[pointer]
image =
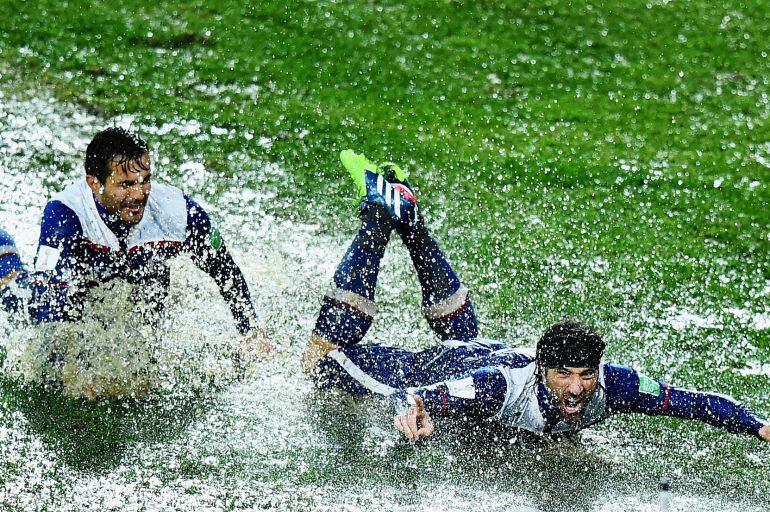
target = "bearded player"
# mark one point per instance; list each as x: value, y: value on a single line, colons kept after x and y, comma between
x: 563, y: 389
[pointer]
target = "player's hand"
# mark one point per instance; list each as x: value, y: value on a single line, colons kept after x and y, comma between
x: 256, y: 345
x: 764, y: 432
x: 415, y: 423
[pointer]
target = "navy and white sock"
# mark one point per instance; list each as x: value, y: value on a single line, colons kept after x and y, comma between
x: 445, y: 301
x: 348, y: 308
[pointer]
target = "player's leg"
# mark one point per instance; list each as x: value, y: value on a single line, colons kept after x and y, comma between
x: 364, y: 369
x: 445, y: 301
x: 348, y: 308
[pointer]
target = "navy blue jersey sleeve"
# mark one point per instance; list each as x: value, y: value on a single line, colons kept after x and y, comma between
x: 204, y: 244
x: 12, y: 273
x: 479, y: 394
x: 59, y: 230
x: 631, y: 392
x: 60, y: 225
x: 9, y: 256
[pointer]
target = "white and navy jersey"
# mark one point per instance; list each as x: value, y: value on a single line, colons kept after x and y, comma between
x: 487, y: 380
x: 81, y: 245
x: 526, y: 406
x: 11, y: 269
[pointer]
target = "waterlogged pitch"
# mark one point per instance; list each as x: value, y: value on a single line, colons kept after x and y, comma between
x: 605, y: 162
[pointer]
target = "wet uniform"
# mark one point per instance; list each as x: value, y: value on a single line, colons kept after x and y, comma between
x: 82, y: 246
x: 11, y: 296
x: 464, y: 375
x: 488, y: 380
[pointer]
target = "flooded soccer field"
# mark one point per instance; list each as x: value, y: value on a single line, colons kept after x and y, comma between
x: 269, y: 441
x: 606, y: 162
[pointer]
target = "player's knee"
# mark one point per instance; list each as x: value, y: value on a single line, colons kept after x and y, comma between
x: 342, y: 323
x: 317, y: 348
x: 460, y: 325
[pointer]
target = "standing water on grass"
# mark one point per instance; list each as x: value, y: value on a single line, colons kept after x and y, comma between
x: 207, y: 438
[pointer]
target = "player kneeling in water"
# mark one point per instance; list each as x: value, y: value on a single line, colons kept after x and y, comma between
x: 116, y: 223
x: 566, y: 387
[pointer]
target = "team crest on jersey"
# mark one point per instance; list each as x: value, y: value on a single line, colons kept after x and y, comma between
x: 649, y: 386
x: 215, y: 238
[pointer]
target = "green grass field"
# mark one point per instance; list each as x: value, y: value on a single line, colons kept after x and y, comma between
x: 608, y: 161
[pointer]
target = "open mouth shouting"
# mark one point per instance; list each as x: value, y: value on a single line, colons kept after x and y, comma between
x: 571, y: 388
x: 573, y: 405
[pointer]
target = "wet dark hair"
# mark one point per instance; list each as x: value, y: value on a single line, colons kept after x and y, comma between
x: 112, y: 144
x: 569, y: 343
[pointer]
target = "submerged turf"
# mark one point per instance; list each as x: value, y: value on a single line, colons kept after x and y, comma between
x: 608, y: 162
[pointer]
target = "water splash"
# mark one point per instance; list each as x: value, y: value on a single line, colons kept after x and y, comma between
x: 269, y: 441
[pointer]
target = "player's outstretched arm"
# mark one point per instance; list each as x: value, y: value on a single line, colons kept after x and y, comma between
x: 210, y: 254
x: 630, y: 391
x: 204, y: 243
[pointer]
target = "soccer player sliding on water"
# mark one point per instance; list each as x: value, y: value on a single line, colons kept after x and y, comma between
x: 565, y: 388
x: 116, y: 223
